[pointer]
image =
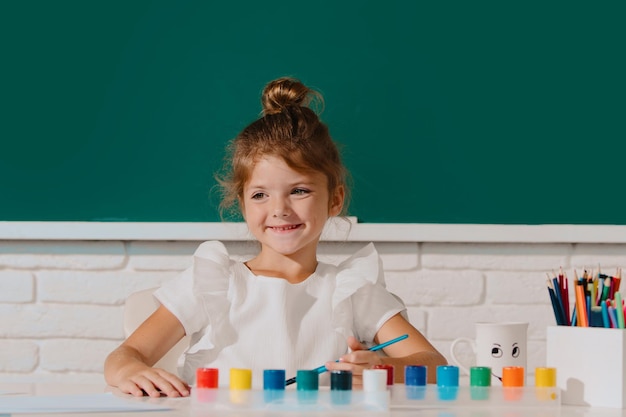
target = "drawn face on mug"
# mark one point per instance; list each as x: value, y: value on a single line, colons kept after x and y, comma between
x: 506, y: 354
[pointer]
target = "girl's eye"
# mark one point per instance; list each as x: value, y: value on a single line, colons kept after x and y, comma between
x: 257, y: 196
x: 300, y: 191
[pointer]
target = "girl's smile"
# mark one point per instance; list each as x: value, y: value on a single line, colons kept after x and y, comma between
x: 281, y: 229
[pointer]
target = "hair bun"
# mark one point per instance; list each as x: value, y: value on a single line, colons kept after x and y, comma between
x: 283, y: 93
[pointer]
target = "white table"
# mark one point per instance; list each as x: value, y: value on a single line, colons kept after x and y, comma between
x: 183, y: 407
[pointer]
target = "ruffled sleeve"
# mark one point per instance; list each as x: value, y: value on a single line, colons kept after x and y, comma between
x: 361, y: 303
x: 199, y: 297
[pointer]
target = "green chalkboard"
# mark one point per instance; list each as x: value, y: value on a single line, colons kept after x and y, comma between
x: 462, y: 112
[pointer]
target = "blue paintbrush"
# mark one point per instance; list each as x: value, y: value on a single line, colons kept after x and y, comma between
x: 323, y: 369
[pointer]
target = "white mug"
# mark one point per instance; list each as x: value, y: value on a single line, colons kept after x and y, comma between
x: 497, y: 345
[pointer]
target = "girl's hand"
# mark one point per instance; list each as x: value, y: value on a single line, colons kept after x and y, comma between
x: 356, y: 361
x: 153, y: 382
x: 129, y: 366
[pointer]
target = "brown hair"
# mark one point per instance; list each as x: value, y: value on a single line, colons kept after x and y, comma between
x: 288, y: 128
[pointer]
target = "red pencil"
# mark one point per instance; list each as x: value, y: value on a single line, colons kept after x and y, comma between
x: 565, y: 299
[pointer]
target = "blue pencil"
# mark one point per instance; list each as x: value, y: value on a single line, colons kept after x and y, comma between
x: 605, y: 316
x: 322, y: 369
x: 558, y: 290
x: 555, y: 307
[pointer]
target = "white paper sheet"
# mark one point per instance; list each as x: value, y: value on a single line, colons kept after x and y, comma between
x: 80, y: 403
x: 5, y: 392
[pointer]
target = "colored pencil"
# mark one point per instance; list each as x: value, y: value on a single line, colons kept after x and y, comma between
x: 566, y: 300
x: 612, y: 316
x: 558, y: 314
x: 581, y: 308
x: 605, y: 315
x: 619, y: 309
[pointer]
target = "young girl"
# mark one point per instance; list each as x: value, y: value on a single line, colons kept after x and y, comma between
x: 281, y: 309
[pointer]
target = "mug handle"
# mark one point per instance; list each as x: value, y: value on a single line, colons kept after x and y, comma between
x: 455, y: 359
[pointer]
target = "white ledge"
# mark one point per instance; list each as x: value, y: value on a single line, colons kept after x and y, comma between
x: 338, y: 230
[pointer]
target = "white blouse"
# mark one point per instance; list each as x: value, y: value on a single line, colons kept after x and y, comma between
x: 240, y: 320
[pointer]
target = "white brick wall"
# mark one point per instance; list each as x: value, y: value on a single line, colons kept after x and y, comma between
x: 61, y: 302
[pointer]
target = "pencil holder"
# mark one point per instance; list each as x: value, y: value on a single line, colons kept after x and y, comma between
x: 590, y: 364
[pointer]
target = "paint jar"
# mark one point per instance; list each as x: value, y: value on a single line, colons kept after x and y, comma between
x: 513, y: 382
x: 273, y: 385
x: 480, y: 382
x: 447, y: 382
x: 207, y: 382
x: 240, y: 385
x: 341, y: 387
x: 207, y: 378
x: 374, y: 380
x: 415, y: 377
x: 545, y: 381
x: 307, y: 386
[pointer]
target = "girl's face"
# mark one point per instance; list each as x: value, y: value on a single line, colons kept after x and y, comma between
x: 286, y: 210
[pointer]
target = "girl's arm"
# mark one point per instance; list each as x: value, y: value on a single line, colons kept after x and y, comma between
x: 129, y: 367
x: 415, y: 350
